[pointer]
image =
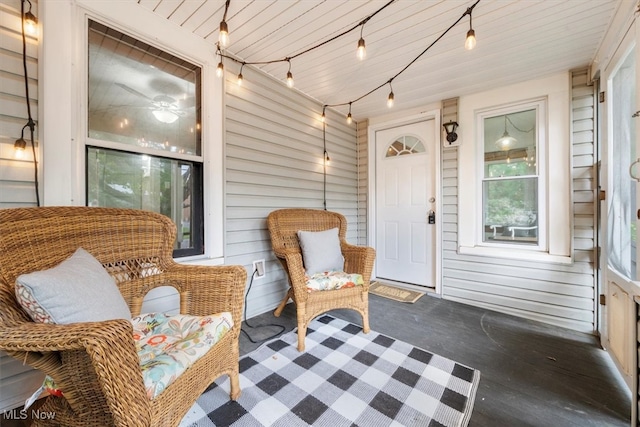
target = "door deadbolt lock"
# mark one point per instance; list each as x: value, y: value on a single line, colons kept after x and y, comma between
x: 431, y: 217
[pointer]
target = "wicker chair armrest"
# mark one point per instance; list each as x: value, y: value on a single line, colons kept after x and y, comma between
x: 283, y: 252
x: 47, y: 337
x: 207, y: 290
x: 59, y: 351
x: 296, y: 273
x: 359, y: 259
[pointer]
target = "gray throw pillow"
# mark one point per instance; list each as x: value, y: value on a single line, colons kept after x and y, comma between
x: 321, y: 251
x: 78, y: 289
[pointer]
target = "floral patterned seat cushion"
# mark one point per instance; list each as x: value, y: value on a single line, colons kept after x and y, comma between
x: 332, y: 280
x: 168, y: 344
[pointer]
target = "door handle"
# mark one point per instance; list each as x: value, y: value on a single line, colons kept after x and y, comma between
x: 431, y: 217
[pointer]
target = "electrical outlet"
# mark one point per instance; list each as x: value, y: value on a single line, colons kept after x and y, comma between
x: 258, y: 268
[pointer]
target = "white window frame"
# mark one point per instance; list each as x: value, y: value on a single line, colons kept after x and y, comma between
x: 113, y: 146
x: 63, y: 108
x: 559, y: 196
x: 540, y: 107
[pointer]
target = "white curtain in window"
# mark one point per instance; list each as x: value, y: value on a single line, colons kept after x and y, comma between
x: 621, y: 223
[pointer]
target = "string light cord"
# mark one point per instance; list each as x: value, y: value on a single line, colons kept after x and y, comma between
x: 30, y: 123
x: 324, y: 160
x: 226, y: 9
x: 246, y: 321
x: 388, y: 82
x: 516, y: 127
x: 289, y: 58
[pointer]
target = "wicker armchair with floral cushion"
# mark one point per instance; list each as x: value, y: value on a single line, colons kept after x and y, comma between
x: 325, y: 272
x: 110, y: 372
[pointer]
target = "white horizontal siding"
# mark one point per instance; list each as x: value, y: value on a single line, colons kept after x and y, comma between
x: 17, y: 177
x: 17, y: 381
x: 363, y: 181
x: 274, y: 159
x: 559, y: 294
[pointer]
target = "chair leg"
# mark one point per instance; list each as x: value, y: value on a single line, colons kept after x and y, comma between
x: 235, y: 386
x: 365, y: 313
x: 365, y: 323
x: 278, y: 311
x: 302, y: 333
x: 301, y: 316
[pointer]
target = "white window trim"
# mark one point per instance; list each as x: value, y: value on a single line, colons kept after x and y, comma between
x: 540, y: 106
x: 559, y: 201
x: 63, y: 105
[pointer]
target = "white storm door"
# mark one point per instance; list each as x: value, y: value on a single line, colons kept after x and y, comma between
x: 405, y: 194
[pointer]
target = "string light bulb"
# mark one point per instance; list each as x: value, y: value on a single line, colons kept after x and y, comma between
x: 220, y: 69
x: 326, y: 157
x: 470, y: 42
x: 19, y: 147
x: 390, y: 98
x: 362, y: 51
x: 289, y: 76
x: 31, y: 22
x: 240, y: 77
x: 349, y: 118
x: 323, y: 118
x: 223, y: 36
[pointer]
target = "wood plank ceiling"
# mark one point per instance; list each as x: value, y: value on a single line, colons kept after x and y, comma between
x: 518, y: 40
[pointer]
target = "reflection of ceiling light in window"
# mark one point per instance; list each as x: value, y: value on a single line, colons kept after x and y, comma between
x: 506, y: 141
x: 165, y: 116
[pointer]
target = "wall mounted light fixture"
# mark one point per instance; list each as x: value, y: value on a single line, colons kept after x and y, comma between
x: 450, y: 129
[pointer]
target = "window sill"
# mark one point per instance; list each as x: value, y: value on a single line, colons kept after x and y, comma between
x: 514, y: 253
x: 199, y: 260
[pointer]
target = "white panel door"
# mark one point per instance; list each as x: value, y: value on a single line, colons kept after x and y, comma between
x: 405, y: 194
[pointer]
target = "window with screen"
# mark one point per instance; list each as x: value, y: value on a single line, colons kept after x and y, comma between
x: 143, y: 148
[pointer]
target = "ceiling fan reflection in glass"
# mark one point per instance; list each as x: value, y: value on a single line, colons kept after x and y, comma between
x: 165, y: 116
x: 139, y: 95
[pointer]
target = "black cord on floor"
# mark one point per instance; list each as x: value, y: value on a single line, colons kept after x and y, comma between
x: 246, y: 321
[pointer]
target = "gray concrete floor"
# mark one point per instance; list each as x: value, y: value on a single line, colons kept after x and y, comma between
x: 532, y: 374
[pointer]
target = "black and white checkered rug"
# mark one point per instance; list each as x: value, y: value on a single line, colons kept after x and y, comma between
x: 344, y: 378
